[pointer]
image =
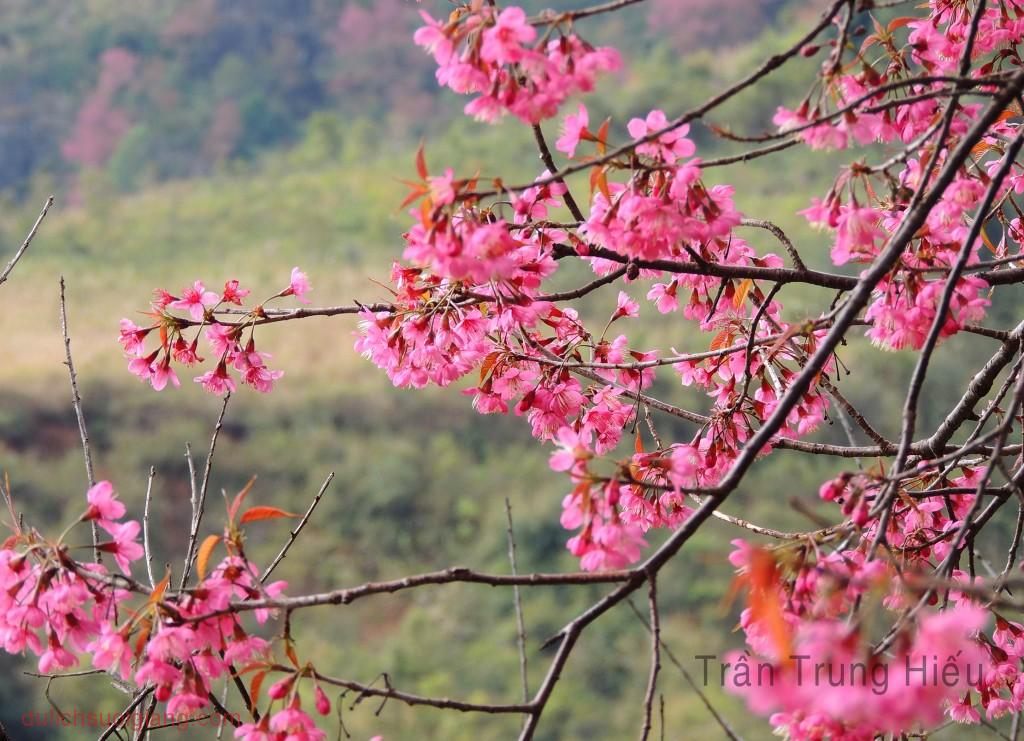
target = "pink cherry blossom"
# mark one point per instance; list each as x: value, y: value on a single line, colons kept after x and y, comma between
x: 55, y: 658
x: 222, y: 338
x: 573, y: 128
x: 185, y: 352
x: 503, y: 42
x: 573, y: 449
x: 664, y: 297
x: 442, y: 191
x: 626, y: 307
x: 110, y: 651
x: 195, y: 300
x: 298, y: 287
x: 487, y: 53
x: 143, y: 367
x: 217, y: 381
x: 132, y: 337
x: 163, y: 374
x: 667, y: 147
x: 123, y: 547
x: 233, y: 294
x: 257, y: 731
x: 857, y: 234
x: 294, y: 721
x: 964, y: 711
x: 103, y: 503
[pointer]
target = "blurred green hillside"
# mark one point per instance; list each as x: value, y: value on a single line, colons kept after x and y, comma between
x: 421, y: 479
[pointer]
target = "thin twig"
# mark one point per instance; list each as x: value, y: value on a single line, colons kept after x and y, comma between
x: 200, y: 502
x: 781, y: 236
x: 76, y: 402
x: 112, y: 728
x: 298, y: 529
x: 723, y: 724
x: 145, y: 527
x: 448, y: 576
x: 442, y: 703
x: 607, y: 7
x: 28, y: 240
x: 143, y: 728
x: 520, y: 622
x: 549, y: 162
x: 652, y: 679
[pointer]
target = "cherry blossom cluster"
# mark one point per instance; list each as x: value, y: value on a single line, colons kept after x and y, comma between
x: 830, y: 686
x: 176, y: 644
x: 231, y: 342
x: 496, y: 55
x: 896, y: 98
x: 801, y: 599
x: 471, y: 300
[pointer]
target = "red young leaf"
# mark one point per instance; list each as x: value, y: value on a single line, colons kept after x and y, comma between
x: 421, y: 163
x: 239, y: 498
x: 264, y: 513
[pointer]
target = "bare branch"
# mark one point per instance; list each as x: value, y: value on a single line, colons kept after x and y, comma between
x: 200, y: 503
x: 145, y: 527
x: 298, y: 529
x: 28, y: 240
x: 125, y: 714
x: 448, y: 576
x: 76, y: 402
x: 652, y: 679
x: 441, y: 703
x: 781, y: 236
x: 520, y: 623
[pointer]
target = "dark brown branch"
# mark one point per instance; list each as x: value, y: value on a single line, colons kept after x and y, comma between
x: 781, y: 236
x: 448, y: 576
x: 112, y: 728
x: 441, y: 703
x: 977, y: 389
x: 549, y: 163
x: 776, y: 275
x: 752, y: 154
x: 608, y: 7
x: 584, y: 290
